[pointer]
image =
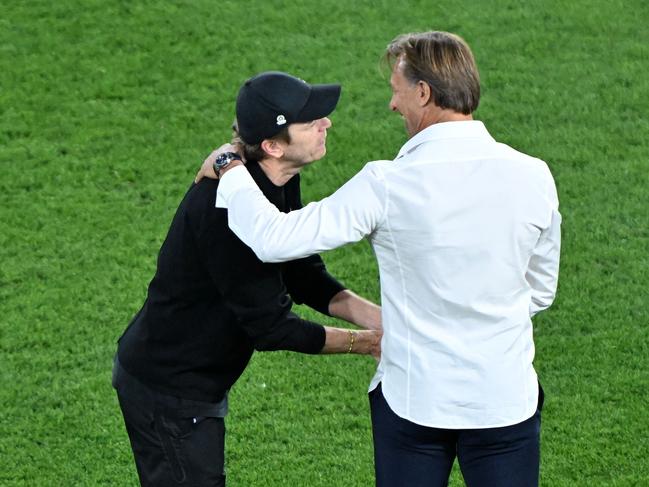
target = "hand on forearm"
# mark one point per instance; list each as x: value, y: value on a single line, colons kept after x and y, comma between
x: 350, y: 307
x: 340, y: 340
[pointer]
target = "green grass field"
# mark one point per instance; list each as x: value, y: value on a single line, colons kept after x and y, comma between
x: 107, y: 109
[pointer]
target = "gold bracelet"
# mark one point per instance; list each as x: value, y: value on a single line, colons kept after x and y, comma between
x: 352, y: 337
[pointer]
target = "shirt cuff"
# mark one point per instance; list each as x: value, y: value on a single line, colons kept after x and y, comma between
x: 233, y: 180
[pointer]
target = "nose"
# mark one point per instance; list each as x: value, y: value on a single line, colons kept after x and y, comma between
x: 392, y: 105
x: 325, y: 122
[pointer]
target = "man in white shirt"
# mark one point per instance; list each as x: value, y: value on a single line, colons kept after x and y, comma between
x: 467, y: 235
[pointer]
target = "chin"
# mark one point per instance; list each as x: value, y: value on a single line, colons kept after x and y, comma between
x: 319, y: 154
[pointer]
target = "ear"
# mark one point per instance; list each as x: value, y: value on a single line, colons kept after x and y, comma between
x: 424, y: 94
x: 274, y: 148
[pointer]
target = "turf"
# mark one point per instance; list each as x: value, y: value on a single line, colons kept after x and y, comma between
x: 107, y: 109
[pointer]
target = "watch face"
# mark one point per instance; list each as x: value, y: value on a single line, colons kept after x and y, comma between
x: 223, y: 160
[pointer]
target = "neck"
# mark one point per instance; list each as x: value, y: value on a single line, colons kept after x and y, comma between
x: 441, y: 115
x: 451, y: 116
x: 278, y: 171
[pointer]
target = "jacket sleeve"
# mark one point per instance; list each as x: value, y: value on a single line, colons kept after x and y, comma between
x: 309, y: 283
x: 253, y: 291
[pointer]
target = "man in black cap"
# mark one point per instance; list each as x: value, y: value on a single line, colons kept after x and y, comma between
x: 212, y: 303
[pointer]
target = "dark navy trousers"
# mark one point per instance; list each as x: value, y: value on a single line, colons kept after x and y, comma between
x: 410, y: 455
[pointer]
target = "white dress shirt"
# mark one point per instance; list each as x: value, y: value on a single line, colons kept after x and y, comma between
x: 467, y: 234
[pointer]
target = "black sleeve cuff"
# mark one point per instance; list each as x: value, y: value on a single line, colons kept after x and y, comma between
x: 294, y: 334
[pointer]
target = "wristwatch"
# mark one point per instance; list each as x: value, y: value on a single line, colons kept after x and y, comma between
x: 224, y: 160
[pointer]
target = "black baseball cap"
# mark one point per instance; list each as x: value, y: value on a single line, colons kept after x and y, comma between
x: 270, y: 101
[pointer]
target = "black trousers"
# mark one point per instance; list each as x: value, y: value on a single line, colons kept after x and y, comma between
x: 410, y: 455
x: 175, y: 442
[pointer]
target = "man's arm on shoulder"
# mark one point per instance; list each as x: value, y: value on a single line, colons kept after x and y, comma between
x: 348, y: 215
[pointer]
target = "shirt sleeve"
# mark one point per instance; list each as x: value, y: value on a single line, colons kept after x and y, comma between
x: 348, y: 215
x: 543, y: 269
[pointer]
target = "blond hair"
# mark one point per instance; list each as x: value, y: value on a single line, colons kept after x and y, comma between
x: 442, y: 60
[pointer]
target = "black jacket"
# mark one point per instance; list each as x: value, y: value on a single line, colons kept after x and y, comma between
x: 212, y: 302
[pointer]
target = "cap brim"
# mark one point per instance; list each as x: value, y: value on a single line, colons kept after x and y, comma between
x: 321, y: 102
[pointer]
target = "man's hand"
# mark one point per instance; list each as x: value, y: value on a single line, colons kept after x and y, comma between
x: 369, y: 341
x: 207, y: 169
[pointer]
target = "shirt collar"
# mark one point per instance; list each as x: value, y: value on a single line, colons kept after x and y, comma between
x: 445, y: 130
